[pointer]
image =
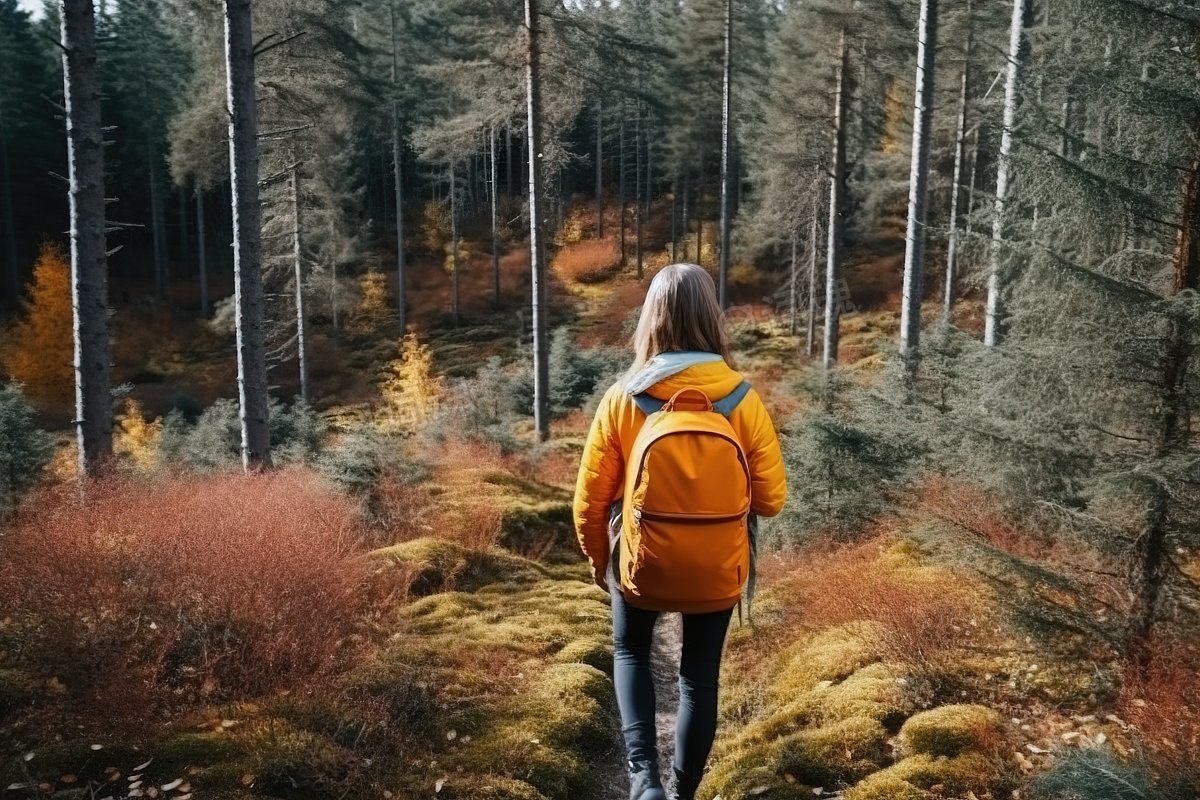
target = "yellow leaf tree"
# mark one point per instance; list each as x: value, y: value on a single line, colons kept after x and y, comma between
x: 41, y: 351
x: 136, y: 438
x: 373, y: 307
x: 410, y: 388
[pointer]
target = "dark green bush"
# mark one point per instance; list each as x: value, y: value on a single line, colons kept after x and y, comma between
x: 24, y: 448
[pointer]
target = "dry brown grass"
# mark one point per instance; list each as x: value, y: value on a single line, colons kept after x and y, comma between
x: 588, y: 260
x: 1162, y: 701
x: 223, y: 585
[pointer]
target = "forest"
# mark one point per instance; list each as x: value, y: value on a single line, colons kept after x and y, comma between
x: 306, y: 307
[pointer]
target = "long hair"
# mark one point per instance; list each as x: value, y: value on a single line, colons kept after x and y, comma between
x: 680, y: 313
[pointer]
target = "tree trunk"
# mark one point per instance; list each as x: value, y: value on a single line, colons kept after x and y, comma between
x: 810, y: 339
x: 699, y: 219
x: 960, y: 147
x: 185, y: 247
x: 398, y: 179
x: 918, y: 182
x: 12, y: 270
x: 247, y: 245
x: 495, y: 223
x: 637, y: 191
x: 621, y: 182
x: 674, y: 216
x: 333, y: 280
x: 201, y: 256
x: 454, y: 241
x: 89, y: 268
x: 726, y: 161
x: 997, y: 278
x: 298, y: 277
x: 837, y: 177
x: 541, y: 371
x: 794, y: 288
x: 685, y: 232
x: 599, y: 169
x: 646, y: 195
x: 508, y: 163
x: 156, y: 233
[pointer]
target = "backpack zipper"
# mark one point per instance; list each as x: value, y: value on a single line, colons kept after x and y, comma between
x: 680, y: 516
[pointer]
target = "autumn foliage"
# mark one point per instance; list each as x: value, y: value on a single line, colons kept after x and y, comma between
x: 222, y: 585
x: 1161, y: 699
x: 40, y: 351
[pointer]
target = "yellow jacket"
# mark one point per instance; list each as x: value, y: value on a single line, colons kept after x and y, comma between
x: 610, y: 442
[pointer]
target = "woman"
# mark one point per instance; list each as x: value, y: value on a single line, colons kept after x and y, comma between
x: 680, y: 344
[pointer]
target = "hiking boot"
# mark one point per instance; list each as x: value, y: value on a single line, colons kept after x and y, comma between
x: 644, y: 783
x: 685, y: 787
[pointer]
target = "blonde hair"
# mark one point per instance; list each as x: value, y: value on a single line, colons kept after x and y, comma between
x: 680, y: 313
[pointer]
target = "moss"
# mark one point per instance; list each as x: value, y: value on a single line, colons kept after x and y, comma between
x: 953, y: 730
x: 593, y: 651
x: 831, y: 655
x: 885, y: 786
x: 436, y: 565
x: 545, y: 530
x: 193, y: 749
x: 17, y: 689
x: 840, y: 752
x: 951, y: 776
x: 760, y: 783
x: 489, y: 788
x: 293, y: 763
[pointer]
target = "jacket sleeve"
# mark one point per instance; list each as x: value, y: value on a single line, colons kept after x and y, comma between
x: 600, y: 478
x: 768, y: 481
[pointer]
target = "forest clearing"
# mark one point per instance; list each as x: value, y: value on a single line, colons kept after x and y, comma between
x: 308, y: 308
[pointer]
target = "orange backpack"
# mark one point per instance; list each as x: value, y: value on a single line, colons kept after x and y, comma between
x: 685, y: 544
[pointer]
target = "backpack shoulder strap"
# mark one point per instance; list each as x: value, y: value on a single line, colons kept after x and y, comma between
x: 648, y: 404
x: 726, y: 405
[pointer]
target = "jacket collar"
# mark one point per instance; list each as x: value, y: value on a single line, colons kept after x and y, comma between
x: 663, y: 366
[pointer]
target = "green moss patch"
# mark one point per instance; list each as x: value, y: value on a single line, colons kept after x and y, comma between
x: 435, y: 565
x: 953, y: 730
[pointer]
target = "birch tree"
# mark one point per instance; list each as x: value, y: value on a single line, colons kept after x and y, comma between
x: 997, y: 273
x: 837, y: 199
x: 89, y: 268
x: 537, y: 256
x: 726, y: 144
x: 956, y: 187
x: 918, y: 181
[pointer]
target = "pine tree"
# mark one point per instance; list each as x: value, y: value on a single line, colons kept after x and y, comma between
x: 410, y: 388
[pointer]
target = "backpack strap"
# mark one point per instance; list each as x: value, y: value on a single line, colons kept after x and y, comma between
x: 726, y: 405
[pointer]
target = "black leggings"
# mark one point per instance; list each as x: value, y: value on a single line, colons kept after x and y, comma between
x: 699, y: 668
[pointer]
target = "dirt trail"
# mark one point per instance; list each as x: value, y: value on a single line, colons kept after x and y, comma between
x: 668, y: 640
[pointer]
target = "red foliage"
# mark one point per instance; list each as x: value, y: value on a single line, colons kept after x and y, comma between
x: 971, y: 508
x: 229, y: 585
x: 588, y: 261
x: 1161, y: 698
x: 921, y: 619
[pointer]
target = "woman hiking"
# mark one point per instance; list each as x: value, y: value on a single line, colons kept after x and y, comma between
x: 681, y: 458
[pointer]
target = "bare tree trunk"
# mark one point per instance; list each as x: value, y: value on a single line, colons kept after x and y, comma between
x: 726, y: 162
x: 918, y: 182
x: 160, y: 267
x: 837, y: 177
x: 996, y: 288
x: 637, y: 190
x: 89, y: 267
x: 674, y: 216
x: 12, y: 270
x: 794, y: 288
x: 599, y: 169
x: 333, y: 280
x: 398, y: 178
x: 185, y: 247
x: 649, y: 184
x: 495, y: 224
x: 685, y: 233
x: 699, y: 219
x: 508, y: 162
x: 541, y: 371
x: 810, y: 339
x: 960, y: 147
x: 247, y: 245
x: 621, y: 182
x: 454, y: 240
x: 201, y: 256
x: 298, y: 277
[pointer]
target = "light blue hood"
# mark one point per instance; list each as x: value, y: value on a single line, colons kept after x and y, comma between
x: 663, y: 366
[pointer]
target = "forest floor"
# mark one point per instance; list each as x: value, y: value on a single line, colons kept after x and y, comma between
x: 937, y: 656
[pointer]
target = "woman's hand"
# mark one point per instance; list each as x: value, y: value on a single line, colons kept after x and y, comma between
x: 600, y: 578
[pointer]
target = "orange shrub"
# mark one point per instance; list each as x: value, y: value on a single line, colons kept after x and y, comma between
x: 226, y: 585
x: 1161, y: 699
x: 588, y: 261
x: 924, y: 612
x: 40, y: 348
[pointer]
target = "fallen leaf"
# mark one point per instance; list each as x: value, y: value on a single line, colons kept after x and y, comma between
x: 175, y: 784
x: 437, y: 787
x: 69, y: 778
x: 141, y: 767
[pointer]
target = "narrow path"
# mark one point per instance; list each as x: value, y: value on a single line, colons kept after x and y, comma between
x: 665, y: 666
